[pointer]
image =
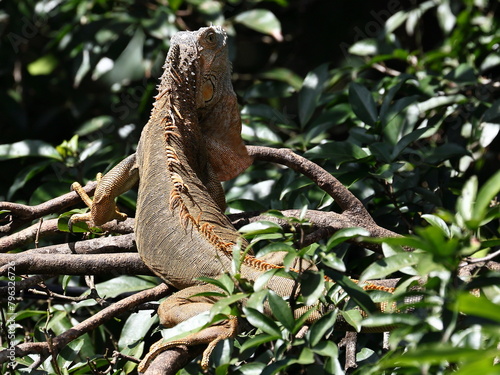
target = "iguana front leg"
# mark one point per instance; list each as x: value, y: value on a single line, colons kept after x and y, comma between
x: 182, y: 306
x: 116, y: 182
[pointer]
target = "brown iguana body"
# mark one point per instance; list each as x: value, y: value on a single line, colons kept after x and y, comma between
x: 191, y: 142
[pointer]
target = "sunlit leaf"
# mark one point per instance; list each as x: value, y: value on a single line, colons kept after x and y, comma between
x: 387, y: 266
x: 437, y: 222
x: 135, y: 328
x: 43, y: 65
x: 261, y: 20
x: 478, y: 306
x: 26, y: 148
x: 485, y: 196
x: 259, y: 320
x: 310, y: 92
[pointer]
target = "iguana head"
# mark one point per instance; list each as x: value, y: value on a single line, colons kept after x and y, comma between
x: 201, y: 58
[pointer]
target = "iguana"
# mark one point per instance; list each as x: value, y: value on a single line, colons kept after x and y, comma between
x: 191, y: 142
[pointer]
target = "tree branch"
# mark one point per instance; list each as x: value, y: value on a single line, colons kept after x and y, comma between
x: 172, y: 360
x: 75, y: 264
x: 89, y: 324
x: 21, y: 214
x: 344, y: 198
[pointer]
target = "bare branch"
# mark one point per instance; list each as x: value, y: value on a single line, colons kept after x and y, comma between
x: 75, y: 264
x: 101, y: 245
x: 49, y: 227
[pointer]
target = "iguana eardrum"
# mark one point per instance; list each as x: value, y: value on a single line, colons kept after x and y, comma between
x: 191, y: 142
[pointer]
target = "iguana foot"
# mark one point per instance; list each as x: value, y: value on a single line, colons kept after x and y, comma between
x: 94, y: 217
x: 211, y: 335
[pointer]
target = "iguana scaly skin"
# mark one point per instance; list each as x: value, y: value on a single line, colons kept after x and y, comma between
x: 191, y: 142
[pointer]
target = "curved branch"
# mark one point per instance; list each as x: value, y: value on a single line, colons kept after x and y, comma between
x: 344, y: 198
x: 21, y: 214
x: 91, y: 323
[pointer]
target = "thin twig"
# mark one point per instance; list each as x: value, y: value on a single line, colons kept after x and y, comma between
x: 483, y: 259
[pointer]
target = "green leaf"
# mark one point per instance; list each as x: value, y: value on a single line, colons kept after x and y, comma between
x: 43, y: 65
x: 332, y: 261
x: 310, y: 92
x: 135, y: 328
x: 224, y: 282
x: 321, y: 327
x: 76, y: 227
x: 387, y: 266
x: 94, y: 124
x: 390, y: 320
x: 447, y: 19
x: 363, y: 104
x: 435, y: 353
x: 261, y: 20
x: 439, y: 101
x: 312, y: 286
x: 281, y: 310
x: 492, y: 114
x: 437, y: 222
x: 124, y: 284
x: 355, y: 292
x: 306, y: 356
x: 465, y: 202
x: 338, y: 152
x: 485, y: 196
x: 260, y: 227
x: 285, y: 75
x: 478, y: 306
x: 26, y: 148
x: 129, y: 65
x: 26, y: 174
x: 464, y: 73
x: 406, y: 140
x: 263, y: 322
x: 326, y: 348
x: 387, y: 104
x: 70, y: 352
x: 257, y: 341
x: 27, y: 314
x: 345, y: 234
x: 354, y: 318
x: 222, y: 305
x: 365, y: 47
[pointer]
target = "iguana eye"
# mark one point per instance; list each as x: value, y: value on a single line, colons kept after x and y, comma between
x: 211, y: 37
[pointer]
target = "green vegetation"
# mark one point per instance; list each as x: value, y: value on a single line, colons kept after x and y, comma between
x: 406, y: 115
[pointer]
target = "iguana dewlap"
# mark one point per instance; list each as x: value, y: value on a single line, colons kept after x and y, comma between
x: 191, y: 142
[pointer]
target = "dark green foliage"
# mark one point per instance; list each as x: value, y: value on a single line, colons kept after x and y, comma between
x: 407, y: 116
